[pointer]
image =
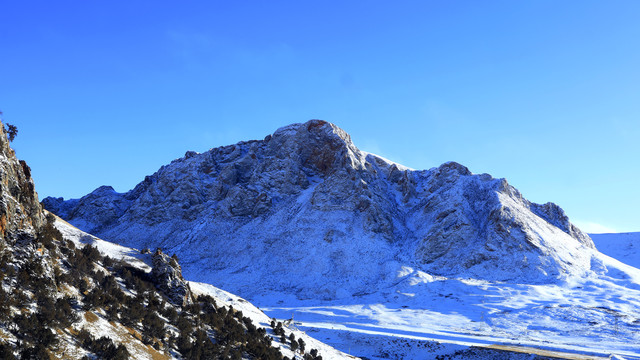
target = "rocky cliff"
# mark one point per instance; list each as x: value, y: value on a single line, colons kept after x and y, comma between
x: 21, y: 215
x: 305, y: 211
x: 167, y: 275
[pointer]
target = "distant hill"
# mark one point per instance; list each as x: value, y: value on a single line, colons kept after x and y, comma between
x: 622, y: 246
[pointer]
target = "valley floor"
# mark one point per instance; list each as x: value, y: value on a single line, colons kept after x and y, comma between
x: 584, y: 318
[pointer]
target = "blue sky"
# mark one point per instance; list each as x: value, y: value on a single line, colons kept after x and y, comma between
x: 543, y: 93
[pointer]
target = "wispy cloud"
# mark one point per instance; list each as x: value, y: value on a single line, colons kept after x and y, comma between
x: 594, y: 228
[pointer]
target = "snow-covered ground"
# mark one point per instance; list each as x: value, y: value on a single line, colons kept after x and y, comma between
x: 115, y: 251
x: 591, y: 315
x: 259, y: 318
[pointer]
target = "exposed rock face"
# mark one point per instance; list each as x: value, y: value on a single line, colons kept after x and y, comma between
x: 167, y: 275
x: 304, y: 201
x: 20, y: 212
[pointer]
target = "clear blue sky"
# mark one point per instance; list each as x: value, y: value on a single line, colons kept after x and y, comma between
x: 543, y: 93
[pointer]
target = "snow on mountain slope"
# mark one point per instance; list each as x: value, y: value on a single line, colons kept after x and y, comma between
x: 306, y: 198
x: 144, y: 262
x: 227, y: 299
x: 424, y: 316
x: 622, y: 246
x: 133, y: 257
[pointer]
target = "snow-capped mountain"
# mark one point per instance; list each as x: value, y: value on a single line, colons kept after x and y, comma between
x: 305, y: 211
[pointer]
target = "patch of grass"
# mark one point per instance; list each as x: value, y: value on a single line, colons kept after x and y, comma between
x: 90, y: 317
x: 133, y: 333
x: 136, y: 345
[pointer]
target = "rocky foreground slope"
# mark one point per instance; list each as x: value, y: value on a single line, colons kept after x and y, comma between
x: 305, y: 211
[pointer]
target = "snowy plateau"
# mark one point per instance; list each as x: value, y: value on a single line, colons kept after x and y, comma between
x: 376, y: 259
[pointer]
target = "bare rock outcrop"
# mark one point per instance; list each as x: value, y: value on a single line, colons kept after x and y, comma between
x: 21, y: 214
x: 167, y: 275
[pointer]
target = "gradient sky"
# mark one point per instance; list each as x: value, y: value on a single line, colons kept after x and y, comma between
x: 543, y: 93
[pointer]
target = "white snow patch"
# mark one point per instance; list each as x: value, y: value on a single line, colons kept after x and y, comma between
x: 115, y: 251
x: 387, y: 161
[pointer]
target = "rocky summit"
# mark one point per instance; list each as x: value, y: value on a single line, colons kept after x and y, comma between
x: 305, y: 211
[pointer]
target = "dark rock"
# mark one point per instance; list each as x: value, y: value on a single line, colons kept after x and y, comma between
x: 167, y: 275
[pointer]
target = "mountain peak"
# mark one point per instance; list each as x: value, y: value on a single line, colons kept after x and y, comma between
x: 315, y: 126
x: 453, y: 167
x: 318, y: 145
x: 104, y: 190
x: 307, y: 197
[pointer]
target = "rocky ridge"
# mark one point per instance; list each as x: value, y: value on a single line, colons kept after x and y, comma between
x: 167, y: 275
x: 257, y: 214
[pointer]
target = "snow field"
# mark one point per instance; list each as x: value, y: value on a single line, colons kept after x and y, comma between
x: 589, y: 316
x: 591, y: 313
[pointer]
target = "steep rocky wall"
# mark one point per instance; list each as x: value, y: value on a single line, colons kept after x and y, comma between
x: 20, y: 212
x: 167, y: 275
